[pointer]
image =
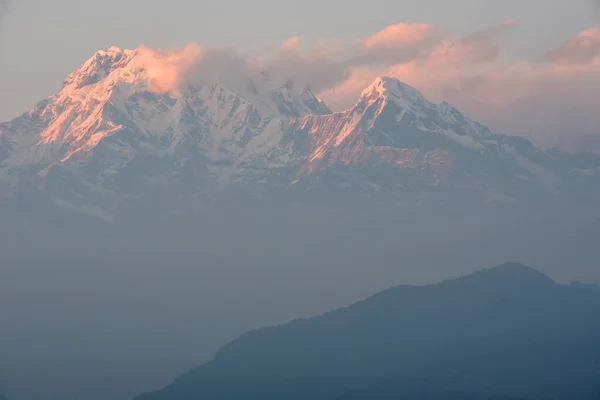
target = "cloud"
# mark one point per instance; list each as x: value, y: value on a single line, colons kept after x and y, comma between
x: 554, y: 102
x: 292, y: 43
x: 225, y: 65
x: 167, y: 70
x: 320, y: 66
x: 394, y: 44
x: 553, y: 105
x: 437, y: 63
x: 328, y: 64
x: 581, y: 49
x: 479, y: 47
x: 314, y: 67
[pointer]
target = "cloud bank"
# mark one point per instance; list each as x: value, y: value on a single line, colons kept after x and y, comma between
x: 552, y: 100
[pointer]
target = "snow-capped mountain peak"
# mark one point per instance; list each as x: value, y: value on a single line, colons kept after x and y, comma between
x: 98, y: 67
x: 151, y: 71
x: 120, y: 89
x: 396, y: 91
x: 407, y: 103
x: 113, y: 133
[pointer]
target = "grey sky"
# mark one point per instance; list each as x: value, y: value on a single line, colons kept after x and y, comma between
x: 42, y: 41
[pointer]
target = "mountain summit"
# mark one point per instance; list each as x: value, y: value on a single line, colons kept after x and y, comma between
x: 512, y: 274
x: 452, y: 340
x: 127, y: 130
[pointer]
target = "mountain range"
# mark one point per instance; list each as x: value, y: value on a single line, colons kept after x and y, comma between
x: 110, y: 144
x: 508, y: 332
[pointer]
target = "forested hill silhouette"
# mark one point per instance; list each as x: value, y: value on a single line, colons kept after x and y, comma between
x: 504, y: 333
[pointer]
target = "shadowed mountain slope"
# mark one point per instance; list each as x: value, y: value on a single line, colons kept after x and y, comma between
x: 509, y: 332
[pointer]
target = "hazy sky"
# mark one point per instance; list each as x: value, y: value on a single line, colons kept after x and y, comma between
x: 42, y: 41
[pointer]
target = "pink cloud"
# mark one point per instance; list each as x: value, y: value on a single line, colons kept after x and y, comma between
x: 399, y: 35
x: 479, y: 47
x: 169, y: 71
x: 335, y: 64
x: 581, y: 49
x: 292, y: 43
x: 394, y: 44
x: 165, y: 70
x: 436, y: 64
x: 345, y: 94
x: 553, y: 104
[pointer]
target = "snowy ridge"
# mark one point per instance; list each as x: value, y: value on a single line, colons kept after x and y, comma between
x: 387, y: 113
x: 112, y: 92
x: 112, y: 133
x: 398, y: 92
x: 387, y: 90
